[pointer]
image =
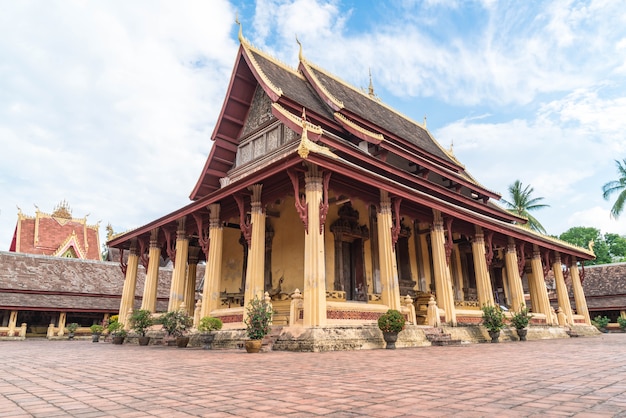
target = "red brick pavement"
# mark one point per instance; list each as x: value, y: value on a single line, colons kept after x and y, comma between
x: 583, y: 377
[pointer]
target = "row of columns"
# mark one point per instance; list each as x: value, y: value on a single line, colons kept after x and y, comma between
x: 314, y: 293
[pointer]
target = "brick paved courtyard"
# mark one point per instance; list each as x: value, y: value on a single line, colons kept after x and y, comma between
x: 583, y: 377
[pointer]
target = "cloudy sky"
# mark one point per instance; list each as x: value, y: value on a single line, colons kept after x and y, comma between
x: 111, y: 105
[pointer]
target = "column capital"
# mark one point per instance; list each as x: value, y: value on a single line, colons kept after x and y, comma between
x: 510, y: 245
x: 255, y: 200
x: 154, y: 238
x: 385, y: 202
x: 134, y: 249
x: 214, y: 215
x: 181, y: 232
x: 193, y: 255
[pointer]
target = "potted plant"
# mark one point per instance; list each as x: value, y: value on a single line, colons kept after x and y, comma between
x: 258, y: 320
x: 622, y: 322
x: 601, y: 322
x: 207, y: 325
x: 96, y: 330
x: 391, y: 323
x: 176, y: 324
x: 117, y: 332
x: 520, y: 321
x: 71, y: 328
x: 493, y: 320
x: 140, y: 321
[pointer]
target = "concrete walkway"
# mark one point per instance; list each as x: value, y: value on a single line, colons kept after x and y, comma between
x: 583, y: 377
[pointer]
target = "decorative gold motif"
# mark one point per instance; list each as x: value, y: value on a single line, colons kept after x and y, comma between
x: 62, y: 210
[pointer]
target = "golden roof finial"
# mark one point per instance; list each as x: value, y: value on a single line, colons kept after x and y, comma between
x: 240, y: 35
x: 300, y: 55
x: 62, y: 210
x: 451, y: 146
x: 370, y: 89
x: 424, y: 121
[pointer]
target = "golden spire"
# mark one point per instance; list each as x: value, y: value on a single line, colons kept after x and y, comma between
x: 62, y: 210
x: 424, y: 121
x: 451, y: 146
x: 240, y: 35
x: 300, y: 55
x: 370, y: 89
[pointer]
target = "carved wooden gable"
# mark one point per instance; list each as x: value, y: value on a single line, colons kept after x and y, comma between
x: 262, y: 132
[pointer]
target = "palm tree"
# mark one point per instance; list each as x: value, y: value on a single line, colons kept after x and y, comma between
x: 522, y: 203
x: 618, y: 185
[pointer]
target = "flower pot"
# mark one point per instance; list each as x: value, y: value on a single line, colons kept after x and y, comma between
x: 70, y: 336
x: 143, y: 340
x: 390, y: 339
x: 495, y: 336
x: 521, y: 333
x: 207, y: 340
x: 253, y: 346
x: 95, y: 338
x: 181, y: 342
x: 117, y: 340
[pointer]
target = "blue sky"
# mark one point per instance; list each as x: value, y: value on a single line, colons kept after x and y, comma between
x: 110, y: 106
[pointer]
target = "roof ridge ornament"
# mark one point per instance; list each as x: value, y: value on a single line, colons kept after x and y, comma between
x: 240, y: 35
x: 300, y: 54
x: 370, y: 89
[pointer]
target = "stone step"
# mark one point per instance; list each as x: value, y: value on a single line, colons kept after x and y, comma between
x: 268, y: 341
x: 437, y: 337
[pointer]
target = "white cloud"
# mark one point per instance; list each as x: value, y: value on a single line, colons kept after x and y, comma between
x: 598, y: 217
x: 108, y: 105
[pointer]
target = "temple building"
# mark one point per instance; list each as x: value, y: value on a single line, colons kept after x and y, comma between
x: 56, y: 234
x: 341, y: 208
x: 52, y: 276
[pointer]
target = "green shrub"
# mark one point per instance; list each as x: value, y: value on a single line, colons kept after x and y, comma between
x: 600, y: 322
x: 208, y: 324
x: 73, y: 327
x: 391, y: 321
x: 521, y: 319
x: 140, y: 321
x: 622, y: 322
x: 493, y: 318
x: 96, y: 329
x: 116, y: 329
x: 176, y: 323
x: 258, y: 319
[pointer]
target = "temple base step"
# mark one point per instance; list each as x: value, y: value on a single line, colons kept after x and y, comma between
x: 437, y: 337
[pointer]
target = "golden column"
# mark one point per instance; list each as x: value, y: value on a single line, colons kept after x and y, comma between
x: 441, y: 269
x: 515, y: 281
x: 130, y: 282
x: 314, y: 294
x: 149, y: 298
x: 190, y: 283
x: 579, y: 293
x: 541, y: 302
x: 177, y: 288
x: 256, y: 253
x: 390, y: 294
x: 213, y: 272
x: 483, y: 280
x: 561, y: 289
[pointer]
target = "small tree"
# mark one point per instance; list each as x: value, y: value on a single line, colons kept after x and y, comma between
x: 140, y: 321
x: 391, y: 321
x: 176, y: 323
x: 259, y: 318
x: 493, y: 318
x: 600, y: 322
x: 521, y: 319
x: 209, y: 323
